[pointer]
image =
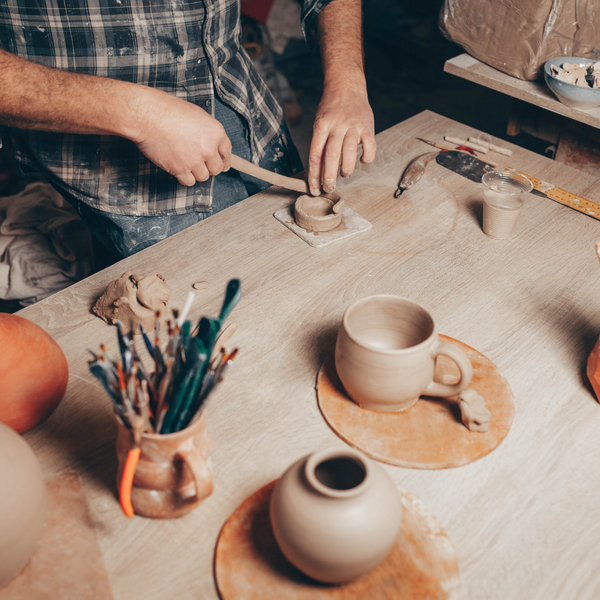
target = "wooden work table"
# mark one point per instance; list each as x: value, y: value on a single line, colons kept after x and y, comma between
x: 525, y: 520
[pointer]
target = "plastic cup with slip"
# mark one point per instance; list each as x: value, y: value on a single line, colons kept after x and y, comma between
x: 504, y: 193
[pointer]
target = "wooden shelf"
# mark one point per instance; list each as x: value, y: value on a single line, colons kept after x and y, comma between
x: 534, y: 92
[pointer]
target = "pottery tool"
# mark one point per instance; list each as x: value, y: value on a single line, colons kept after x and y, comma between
x: 459, y: 142
x: 473, y: 169
x: 290, y: 183
x: 170, y: 398
x: 465, y: 149
x: 491, y: 146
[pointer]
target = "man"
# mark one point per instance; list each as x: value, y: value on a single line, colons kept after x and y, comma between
x: 131, y: 108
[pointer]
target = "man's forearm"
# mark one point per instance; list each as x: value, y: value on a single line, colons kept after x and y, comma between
x: 36, y: 97
x: 340, y: 32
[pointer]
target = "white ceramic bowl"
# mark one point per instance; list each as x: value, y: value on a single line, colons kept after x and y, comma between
x: 584, y: 98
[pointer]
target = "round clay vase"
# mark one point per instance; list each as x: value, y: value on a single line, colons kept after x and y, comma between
x: 33, y: 374
x: 22, y: 503
x: 173, y: 474
x: 335, y: 515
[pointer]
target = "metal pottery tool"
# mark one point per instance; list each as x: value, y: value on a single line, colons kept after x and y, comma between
x: 472, y: 168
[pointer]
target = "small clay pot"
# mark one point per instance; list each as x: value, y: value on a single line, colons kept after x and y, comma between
x: 335, y: 515
x: 34, y: 374
x: 22, y: 503
x: 385, y: 354
x: 316, y: 213
x: 173, y: 474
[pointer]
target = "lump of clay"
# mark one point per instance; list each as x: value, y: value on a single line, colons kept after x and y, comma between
x: 473, y: 412
x: 319, y: 213
x: 134, y: 300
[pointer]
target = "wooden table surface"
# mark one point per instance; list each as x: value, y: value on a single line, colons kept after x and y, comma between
x: 534, y: 92
x: 525, y: 520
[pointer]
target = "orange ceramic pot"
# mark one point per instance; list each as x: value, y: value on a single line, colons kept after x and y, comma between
x: 173, y: 474
x: 22, y: 503
x: 33, y: 373
x: 335, y: 515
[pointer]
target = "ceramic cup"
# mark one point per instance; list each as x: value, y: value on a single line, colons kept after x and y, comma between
x: 504, y: 193
x: 335, y: 514
x: 386, y: 351
x: 173, y: 474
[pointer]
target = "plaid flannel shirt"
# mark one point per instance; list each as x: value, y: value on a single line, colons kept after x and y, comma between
x: 188, y: 48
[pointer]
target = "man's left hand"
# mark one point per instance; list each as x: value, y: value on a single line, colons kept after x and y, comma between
x: 344, y: 120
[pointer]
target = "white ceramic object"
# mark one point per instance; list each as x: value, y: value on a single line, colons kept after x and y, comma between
x: 385, y: 354
x: 335, y: 515
x: 22, y: 503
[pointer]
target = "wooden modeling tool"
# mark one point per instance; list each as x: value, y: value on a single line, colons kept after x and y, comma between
x: 290, y: 183
x: 472, y: 168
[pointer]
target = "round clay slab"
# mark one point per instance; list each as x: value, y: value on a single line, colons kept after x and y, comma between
x: 429, y: 434
x: 249, y: 565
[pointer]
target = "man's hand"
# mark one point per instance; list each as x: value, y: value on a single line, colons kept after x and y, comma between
x: 180, y: 137
x: 344, y: 118
x: 176, y: 135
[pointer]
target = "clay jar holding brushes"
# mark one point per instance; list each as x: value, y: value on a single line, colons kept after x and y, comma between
x: 173, y: 473
x: 385, y: 354
x: 335, y: 515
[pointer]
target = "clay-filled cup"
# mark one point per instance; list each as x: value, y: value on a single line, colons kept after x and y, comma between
x: 504, y: 193
x: 386, y: 351
x: 173, y: 474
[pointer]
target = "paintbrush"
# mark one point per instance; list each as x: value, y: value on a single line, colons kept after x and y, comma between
x: 459, y: 149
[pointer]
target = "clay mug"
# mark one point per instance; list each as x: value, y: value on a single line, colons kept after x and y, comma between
x: 386, y: 351
x: 22, y: 503
x: 335, y: 515
x: 173, y: 474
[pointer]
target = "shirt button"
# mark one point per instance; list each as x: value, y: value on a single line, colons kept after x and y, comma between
x: 208, y: 104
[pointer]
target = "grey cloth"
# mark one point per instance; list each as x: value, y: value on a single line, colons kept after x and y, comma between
x: 44, y: 245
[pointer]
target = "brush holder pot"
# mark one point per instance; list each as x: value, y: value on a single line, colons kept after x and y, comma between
x: 385, y: 354
x: 22, y: 503
x: 335, y: 515
x: 173, y: 474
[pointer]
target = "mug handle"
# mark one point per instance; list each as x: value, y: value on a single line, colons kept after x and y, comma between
x: 466, y: 372
x: 198, y: 468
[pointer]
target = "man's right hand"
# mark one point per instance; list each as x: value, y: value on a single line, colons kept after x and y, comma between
x: 180, y: 137
x: 176, y: 135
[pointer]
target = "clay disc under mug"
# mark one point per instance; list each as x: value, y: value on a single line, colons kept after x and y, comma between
x: 249, y: 565
x: 429, y: 434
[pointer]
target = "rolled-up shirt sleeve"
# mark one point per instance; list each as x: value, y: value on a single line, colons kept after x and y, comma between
x: 310, y: 12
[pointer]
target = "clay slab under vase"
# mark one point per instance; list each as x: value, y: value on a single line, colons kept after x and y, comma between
x: 352, y: 224
x: 248, y: 564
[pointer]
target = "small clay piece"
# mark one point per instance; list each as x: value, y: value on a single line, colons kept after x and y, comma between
x: 319, y: 213
x: 200, y: 285
x: 473, y: 411
x: 586, y: 76
x: 134, y: 300
x: 33, y: 374
x: 22, y: 503
x: 335, y: 515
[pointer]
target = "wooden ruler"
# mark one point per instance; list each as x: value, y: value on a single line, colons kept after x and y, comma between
x: 587, y: 207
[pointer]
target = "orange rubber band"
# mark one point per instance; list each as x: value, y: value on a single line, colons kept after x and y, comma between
x: 127, y: 481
